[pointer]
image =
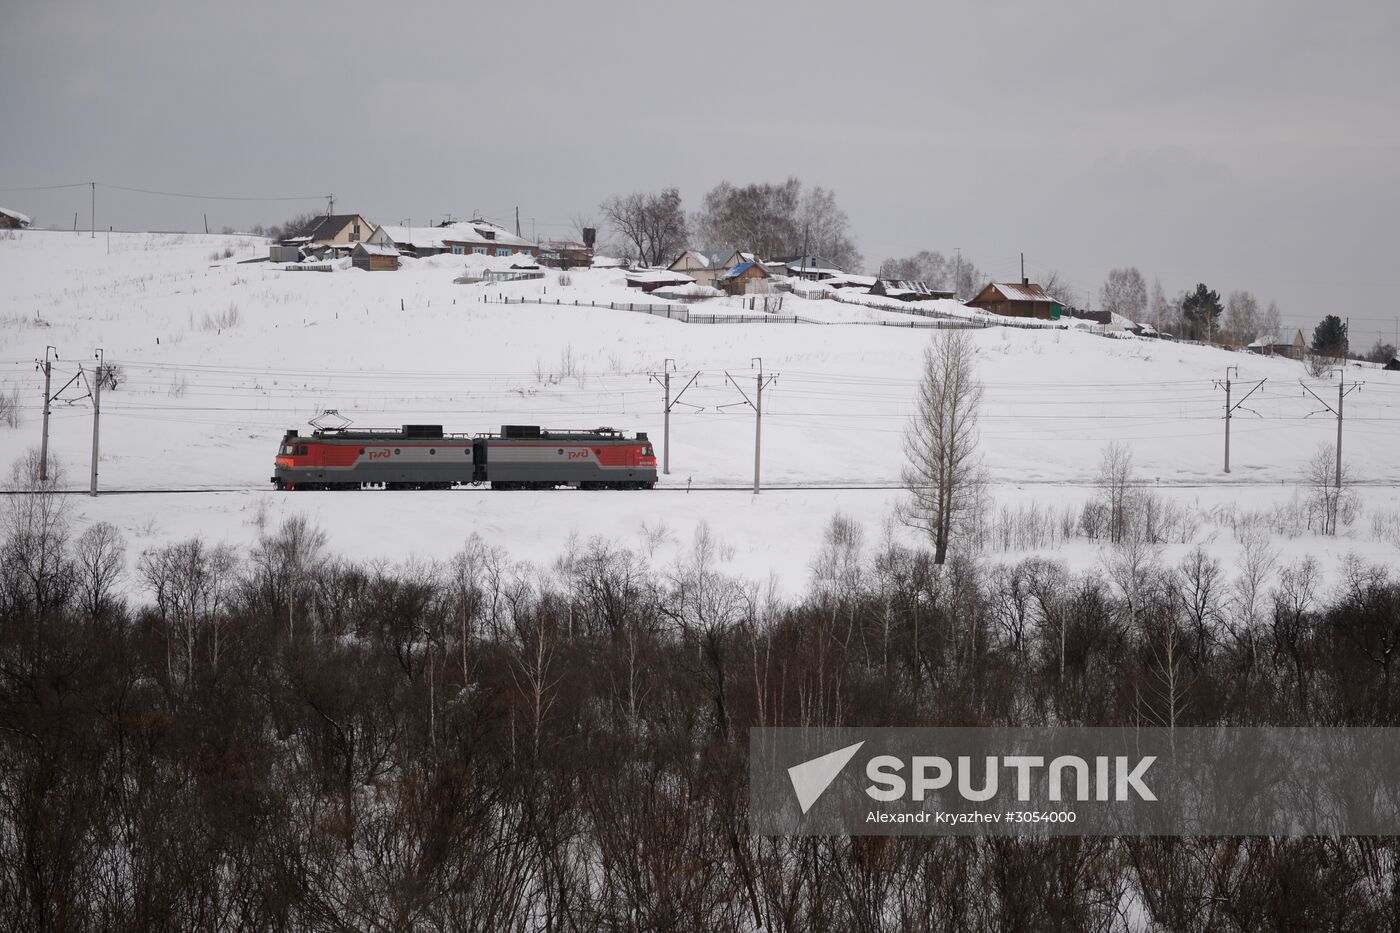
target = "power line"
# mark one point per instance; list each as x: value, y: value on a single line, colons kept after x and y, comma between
x: 216, y: 197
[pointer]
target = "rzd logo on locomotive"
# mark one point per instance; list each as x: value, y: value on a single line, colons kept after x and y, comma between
x: 380, y: 454
x: 578, y: 455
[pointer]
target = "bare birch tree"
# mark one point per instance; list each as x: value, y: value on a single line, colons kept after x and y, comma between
x: 944, y: 471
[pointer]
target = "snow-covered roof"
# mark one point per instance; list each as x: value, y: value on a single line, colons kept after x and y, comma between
x: 23, y: 219
x: 1015, y: 291
x: 844, y: 279
x: 700, y: 260
x: 693, y: 290
x: 658, y: 275
x: 464, y: 232
x: 376, y: 249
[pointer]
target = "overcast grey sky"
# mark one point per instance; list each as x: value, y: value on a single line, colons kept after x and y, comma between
x: 1244, y: 144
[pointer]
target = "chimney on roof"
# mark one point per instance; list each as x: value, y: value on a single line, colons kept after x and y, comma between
x: 1024, y: 280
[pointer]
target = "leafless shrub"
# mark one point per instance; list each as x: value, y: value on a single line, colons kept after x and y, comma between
x: 110, y: 375
x: 224, y: 320
x: 1331, y: 504
x: 10, y: 414
x: 656, y: 536
x: 179, y: 385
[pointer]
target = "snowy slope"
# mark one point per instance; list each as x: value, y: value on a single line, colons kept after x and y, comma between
x: 204, y: 403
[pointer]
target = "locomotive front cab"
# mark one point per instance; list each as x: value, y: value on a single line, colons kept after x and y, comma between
x: 293, y: 455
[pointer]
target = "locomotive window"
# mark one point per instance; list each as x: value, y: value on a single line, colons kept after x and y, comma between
x: 396, y: 451
x: 286, y: 450
x: 301, y: 450
x: 598, y: 451
x: 432, y: 452
x: 362, y: 451
x: 560, y: 451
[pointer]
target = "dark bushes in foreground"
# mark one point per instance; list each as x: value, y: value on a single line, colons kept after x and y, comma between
x: 283, y: 740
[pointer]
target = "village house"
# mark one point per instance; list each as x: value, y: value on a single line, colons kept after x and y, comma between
x: 334, y: 233
x: 812, y: 268
x: 1295, y: 349
x: 459, y: 238
x: 1017, y: 299
x: 697, y: 266
x: 908, y: 290
x: 13, y: 220
x: 565, y: 254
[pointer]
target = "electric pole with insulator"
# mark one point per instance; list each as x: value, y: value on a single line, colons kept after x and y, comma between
x: 760, y: 383
x: 664, y: 378
x: 1230, y: 409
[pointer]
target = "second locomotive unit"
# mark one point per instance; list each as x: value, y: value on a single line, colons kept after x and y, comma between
x: 421, y: 456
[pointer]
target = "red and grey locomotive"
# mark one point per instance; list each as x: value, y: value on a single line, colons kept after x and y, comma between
x: 421, y: 456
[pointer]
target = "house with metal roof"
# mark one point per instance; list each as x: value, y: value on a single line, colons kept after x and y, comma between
x: 330, y: 231
x: 747, y: 278
x: 461, y: 238
x: 1017, y: 299
x: 908, y: 290
x: 813, y: 268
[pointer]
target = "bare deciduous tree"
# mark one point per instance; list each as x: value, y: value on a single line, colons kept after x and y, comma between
x: 34, y: 569
x: 1269, y: 323
x: 1125, y: 292
x: 777, y: 220
x: 651, y: 226
x: 1241, y: 318
x: 944, y: 471
x: 932, y: 268
x: 99, y: 560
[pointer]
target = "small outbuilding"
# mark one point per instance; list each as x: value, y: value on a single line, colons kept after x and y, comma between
x: 649, y: 280
x: 747, y: 278
x: 1017, y: 299
x: 373, y: 257
x: 1393, y: 365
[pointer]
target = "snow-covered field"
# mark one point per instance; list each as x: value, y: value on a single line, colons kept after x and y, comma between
x: 219, y: 358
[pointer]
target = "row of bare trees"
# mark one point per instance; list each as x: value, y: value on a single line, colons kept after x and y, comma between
x: 280, y: 738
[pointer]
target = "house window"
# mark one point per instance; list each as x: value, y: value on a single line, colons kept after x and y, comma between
x: 479, y: 250
x: 355, y: 235
x: 502, y: 251
x: 459, y: 250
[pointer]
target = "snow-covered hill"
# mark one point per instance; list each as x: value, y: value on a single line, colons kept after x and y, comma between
x: 219, y: 358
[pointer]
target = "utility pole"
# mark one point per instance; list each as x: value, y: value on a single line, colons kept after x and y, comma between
x: 93, y: 218
x: 96, y: 419
x: 760, y: 383
x: 46, y: 367
x: 668, y: 367
x: 1230, y: 409
x: 1342, y: 393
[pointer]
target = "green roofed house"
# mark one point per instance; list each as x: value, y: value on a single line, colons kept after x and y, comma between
x: 1017, y: 299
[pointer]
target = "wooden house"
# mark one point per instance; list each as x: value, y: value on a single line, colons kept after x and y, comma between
x: 374, y: 257
x: 565, y: 254
x: 1017, y: 299
x: 13, y: 220
x: 747, y: 278
x: 1295, y: 349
